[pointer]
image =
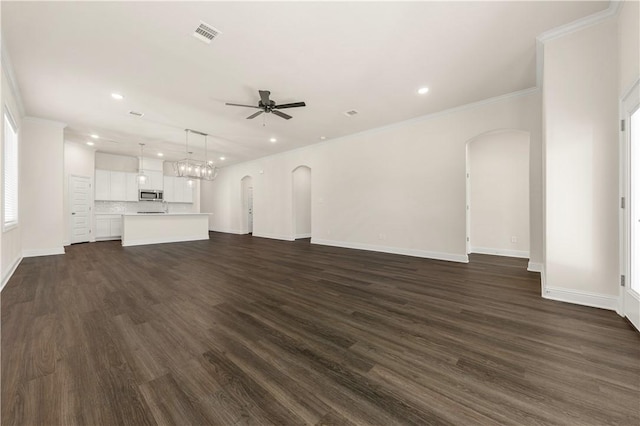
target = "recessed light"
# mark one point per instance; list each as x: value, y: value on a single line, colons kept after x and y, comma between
x: 95, y: 136
x: 222, y: 158
x: 117, y: 96
x: 423, y: 90
x: 322, y: 138
x: 272, y: 140
x: 160, y: 154
x: 90, y: 143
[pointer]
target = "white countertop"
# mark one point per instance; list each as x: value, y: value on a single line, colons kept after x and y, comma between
x: 165, y: 214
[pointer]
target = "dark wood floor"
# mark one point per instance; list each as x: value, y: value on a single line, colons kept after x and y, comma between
x: 242, y: 330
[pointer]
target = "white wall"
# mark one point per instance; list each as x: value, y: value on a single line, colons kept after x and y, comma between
x: 41, y: 187
x: 11, y: 240
x: 400, y: 188
x: 302, y: 202
x: 499, y: 193
x: 581, y: 140
x: 79, y: 160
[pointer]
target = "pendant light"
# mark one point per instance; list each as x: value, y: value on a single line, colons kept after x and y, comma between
x: 142, y: 178
x: 195, y: 169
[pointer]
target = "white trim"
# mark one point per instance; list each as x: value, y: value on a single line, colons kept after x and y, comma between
x: 146, y: 241
x: 298, y: 236
x: 229, y: 231
x: 500, y: 252
x: 273, y: 236
x: 585, y: 298
x: 534, y: 267
x: 9, y: 274
x: 42, y: 252
x: 7, y: 67
x: 581, y: 23
x: 451, y: 257
x: 37, y: 120
x: 571, y: 27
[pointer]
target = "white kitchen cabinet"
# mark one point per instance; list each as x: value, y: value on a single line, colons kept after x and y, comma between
x: 103, y: 185
x: 154, y: 180
x: 169, y: 191
x: 118, y: 183
x: 108, y: 226
x: 187, y: 195
x: 177, y: 190
x: 116, y: 186
x: 132, y: 187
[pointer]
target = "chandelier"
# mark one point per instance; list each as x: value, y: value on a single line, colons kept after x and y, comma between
x: 195, y: 169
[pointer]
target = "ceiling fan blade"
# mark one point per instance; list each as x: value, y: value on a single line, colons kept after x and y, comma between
x: 281, y: 114
x: 264, y: 96
x: 254, y: 115
x: 291, y: 105
x: 240, y: 105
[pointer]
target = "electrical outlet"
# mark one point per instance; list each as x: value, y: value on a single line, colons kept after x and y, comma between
x: 514, y: 239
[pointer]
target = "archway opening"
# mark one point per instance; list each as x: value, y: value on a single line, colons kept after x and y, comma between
x: 498, y: 194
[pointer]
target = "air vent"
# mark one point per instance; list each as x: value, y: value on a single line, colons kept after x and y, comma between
x: 136, y: 114
x: 351, y: 113
x: 205, y: 33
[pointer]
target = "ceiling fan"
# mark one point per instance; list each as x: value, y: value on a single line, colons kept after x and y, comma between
x: 267, y: 105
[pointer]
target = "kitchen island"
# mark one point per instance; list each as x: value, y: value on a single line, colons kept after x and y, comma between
x: 145, y: 228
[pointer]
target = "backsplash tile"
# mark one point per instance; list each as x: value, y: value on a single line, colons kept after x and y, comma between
x: 121, y: 207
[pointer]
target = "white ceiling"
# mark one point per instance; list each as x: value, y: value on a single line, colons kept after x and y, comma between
x: 68, y: 57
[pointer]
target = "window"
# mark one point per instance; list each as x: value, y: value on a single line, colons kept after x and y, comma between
x: 10, y: 156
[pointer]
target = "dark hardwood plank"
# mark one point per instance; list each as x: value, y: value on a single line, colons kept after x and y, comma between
x: 240, y: 330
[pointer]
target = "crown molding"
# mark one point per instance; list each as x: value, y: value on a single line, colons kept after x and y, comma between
x: 7, y: 69
x: 59, y: 124
x: 563, y: 30
x: 579, y: 24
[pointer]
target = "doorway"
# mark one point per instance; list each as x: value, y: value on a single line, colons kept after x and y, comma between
x: 631, y: 213
x: 80, y: 208
x: 497, y: 181
x: 301, y: 177
x: 247, y: 204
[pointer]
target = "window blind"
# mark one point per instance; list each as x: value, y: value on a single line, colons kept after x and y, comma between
x: 10, y: 156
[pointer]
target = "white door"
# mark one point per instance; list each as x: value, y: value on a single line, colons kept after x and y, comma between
x: 250, y: 208
x: 80, y: 198
x: 631, y: 213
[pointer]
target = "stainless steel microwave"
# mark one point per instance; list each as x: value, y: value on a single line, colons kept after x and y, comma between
x: 150, y: 195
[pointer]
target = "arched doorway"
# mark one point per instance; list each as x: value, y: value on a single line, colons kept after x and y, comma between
x: 498, y: 193
x: 301, y: 177
x: 246, y: 210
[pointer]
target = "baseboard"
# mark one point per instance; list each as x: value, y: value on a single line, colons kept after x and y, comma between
x: 273, y: 236
x: 534, y: 267
x: 229, y: 231
x: 500, y: 252
x: 299, y: 236
x: 9, y: 274
x: 147, y: 241
x: 66, y: 243
x: 395, y: 250
x: 585, y: 298
x: 42, y: 252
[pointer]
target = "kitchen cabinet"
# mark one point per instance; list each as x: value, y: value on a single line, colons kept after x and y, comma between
x: 116, y: 186
x: 155, y: 180
x: 177, y: 190
x: 103, y: 185
x: 108, y: 226
x: 132, y: 187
